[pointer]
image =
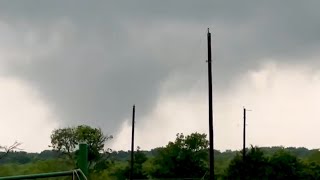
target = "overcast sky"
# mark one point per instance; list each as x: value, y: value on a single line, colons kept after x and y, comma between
x: 65, y: 63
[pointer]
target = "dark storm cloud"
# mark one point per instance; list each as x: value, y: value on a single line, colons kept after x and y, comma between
x: 112, y: 54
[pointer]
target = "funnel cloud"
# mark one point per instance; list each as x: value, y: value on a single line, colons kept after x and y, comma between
x: 89, y: 62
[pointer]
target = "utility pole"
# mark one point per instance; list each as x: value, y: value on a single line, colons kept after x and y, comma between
x: 211, y: 149
x: 132, y: 142
x: 244, y: 134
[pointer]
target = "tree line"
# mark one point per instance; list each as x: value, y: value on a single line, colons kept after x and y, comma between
x: 185, y: 157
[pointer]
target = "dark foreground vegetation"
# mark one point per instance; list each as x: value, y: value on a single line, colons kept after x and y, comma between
x: 186, y: 157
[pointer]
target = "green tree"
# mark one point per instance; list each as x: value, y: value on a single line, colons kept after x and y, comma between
x: 254, y: 166
x: 138, y: 172
x: 119, y: 170
x: 66, y: 140
x: 310, y: 171
x: 314, y: 156
x: 139, y: 159
x: 280, y: 165
x: 95, y: 139
x: 186, y: 157
x: 284, y: 165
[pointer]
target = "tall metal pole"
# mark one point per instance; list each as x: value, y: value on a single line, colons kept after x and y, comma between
x: 211, y: 150
x: 132, y: 142
x: 244, y: 134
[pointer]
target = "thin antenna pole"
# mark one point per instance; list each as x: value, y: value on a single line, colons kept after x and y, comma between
x: 244, y: 134
x: 211, y: 150
x: 132, y: 141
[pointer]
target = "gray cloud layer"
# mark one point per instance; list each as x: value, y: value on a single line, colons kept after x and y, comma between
x: 92, y: 60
